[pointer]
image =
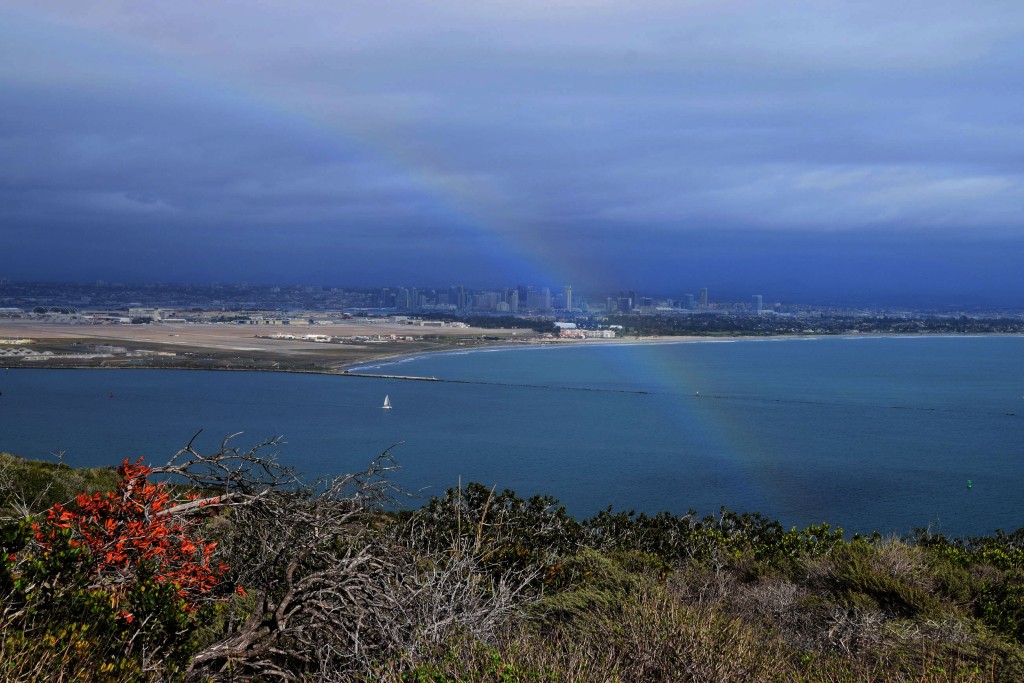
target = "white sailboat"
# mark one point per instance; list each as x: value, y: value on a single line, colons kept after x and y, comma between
x: 387, y: 403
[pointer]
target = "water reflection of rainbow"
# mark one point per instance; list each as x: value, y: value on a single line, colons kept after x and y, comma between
x: 729, y: 448
x: 710, y: 428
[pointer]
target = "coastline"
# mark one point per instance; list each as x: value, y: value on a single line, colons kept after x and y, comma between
x: 368, y: 362
x: 357, y: 369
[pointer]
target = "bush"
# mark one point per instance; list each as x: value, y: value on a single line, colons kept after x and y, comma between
x: 502, y: 530
x: 117, y: 577
x: 31, y: 486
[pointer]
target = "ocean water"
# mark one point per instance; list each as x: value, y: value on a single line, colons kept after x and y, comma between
x: 864, y: 433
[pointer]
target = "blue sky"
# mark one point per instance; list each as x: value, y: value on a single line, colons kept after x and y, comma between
x: 808, y: 150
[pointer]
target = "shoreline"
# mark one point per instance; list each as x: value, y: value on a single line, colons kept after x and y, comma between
x: 373, y: 366
x: 355, y: 369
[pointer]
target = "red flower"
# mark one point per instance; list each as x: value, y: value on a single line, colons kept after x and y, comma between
x: 127, y: 527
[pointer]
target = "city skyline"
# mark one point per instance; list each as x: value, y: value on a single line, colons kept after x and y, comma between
x: 820, y: 151
x: 507, y: 299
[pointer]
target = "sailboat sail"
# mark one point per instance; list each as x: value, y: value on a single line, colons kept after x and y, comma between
x: 387, y: 403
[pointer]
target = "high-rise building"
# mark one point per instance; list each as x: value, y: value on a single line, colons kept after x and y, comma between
x: 545, y: 299
x: 703, y: 297
x: 568, y: 297
x: 513, y: 301
x: 533, y: 302
x: 689, y: 302
x: 486, y: 301
x: 758, y: 303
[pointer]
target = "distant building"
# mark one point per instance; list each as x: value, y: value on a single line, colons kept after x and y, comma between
x: 758, y: 303
x: 538, y: 300
x: 485, y: 301
x: 703, y: 297
x: 152, y: 313
x: 568, y: 297
x: 599, y: 334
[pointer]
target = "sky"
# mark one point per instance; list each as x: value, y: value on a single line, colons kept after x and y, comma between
x: 806, y: 150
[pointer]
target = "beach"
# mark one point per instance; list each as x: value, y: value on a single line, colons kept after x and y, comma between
x: 255, y: 347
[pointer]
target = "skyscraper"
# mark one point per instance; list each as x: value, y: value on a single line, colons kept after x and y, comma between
x: 758, y: 303
x: 532, y: 299
x: 703, y: 297
x: 568, y: 297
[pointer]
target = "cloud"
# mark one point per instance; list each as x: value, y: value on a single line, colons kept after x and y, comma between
x: 509, y: 127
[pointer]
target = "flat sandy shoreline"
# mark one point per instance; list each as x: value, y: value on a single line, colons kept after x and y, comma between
x: 379, y: 363
x: 561, y: 344
x: 253, y: 348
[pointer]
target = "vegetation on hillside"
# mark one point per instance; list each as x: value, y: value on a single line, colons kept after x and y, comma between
x: 226, y: 567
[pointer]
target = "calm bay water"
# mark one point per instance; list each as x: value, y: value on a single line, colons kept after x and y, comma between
x: 871, y: 433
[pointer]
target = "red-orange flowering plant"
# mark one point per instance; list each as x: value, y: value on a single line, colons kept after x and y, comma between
x: 130, y: 536
x: 123, y: 562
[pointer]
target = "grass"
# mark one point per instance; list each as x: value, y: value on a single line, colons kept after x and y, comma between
x: 35, y: 485
x: 627, y: 597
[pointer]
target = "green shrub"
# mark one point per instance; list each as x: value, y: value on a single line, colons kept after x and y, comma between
x: 862, y: 575
x: 41, y: 484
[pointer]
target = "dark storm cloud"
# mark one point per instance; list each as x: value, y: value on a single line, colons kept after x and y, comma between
x: 481, y: 140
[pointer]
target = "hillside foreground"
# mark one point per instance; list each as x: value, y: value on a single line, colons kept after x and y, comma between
x: 227, y: 567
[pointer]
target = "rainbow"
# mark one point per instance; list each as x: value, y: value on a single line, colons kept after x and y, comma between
x: 503, y: 231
